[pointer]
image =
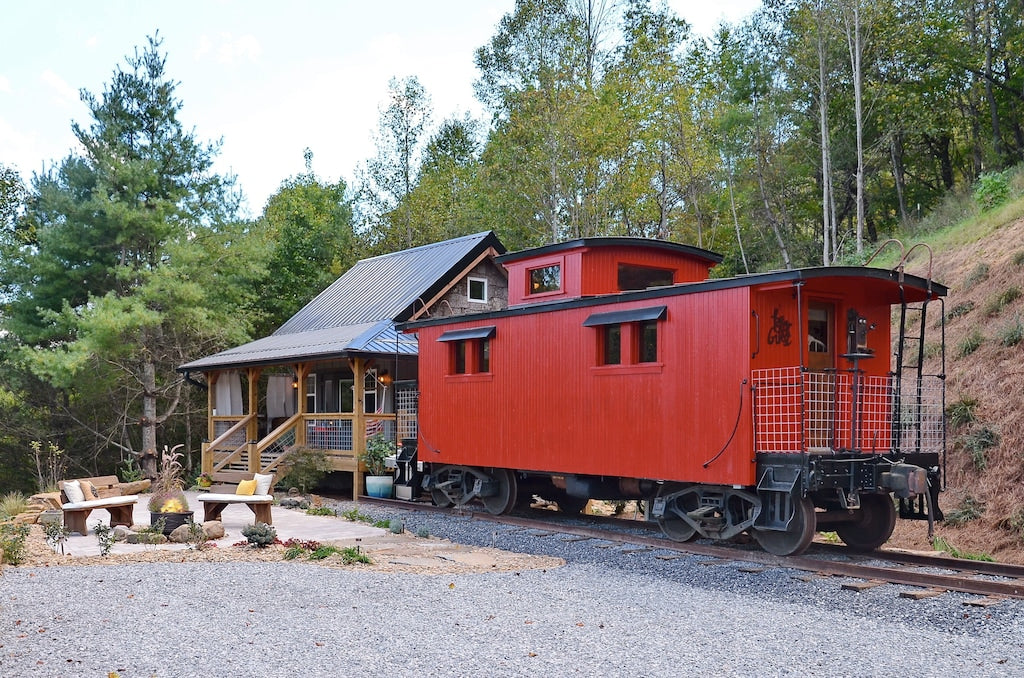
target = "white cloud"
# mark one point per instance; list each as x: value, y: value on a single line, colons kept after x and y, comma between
x: 65, y: 94
x: 228, y: 49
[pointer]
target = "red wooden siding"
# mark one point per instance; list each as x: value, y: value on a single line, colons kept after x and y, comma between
x: 548, y: 406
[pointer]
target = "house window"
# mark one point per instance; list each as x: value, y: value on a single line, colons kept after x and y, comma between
x: 545, y: 279
x: 648, y: 340
x: 311, y: 393
x: 632, y: 277
x: 611, y: 345
x: 478, y: 290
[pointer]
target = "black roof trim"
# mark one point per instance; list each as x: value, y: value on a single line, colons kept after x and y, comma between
x: 472, y: 333
x: 795, y: 276
x: 613, y: 241
x: 630, y: 316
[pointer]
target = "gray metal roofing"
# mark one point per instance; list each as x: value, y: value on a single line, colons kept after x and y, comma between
x: 388, y: 286
x: 356, y: 313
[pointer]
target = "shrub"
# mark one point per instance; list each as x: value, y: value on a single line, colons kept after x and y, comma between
x: 11, y: 504
x: 321, y: 511
x: 129, y: 471
x: 969, y: 344
x: 978, y: 274
x: 306, y: 467
x: 423, y: 532
x: 996, y: 305
x: 961, y: 309
x: 105, y: 538
x: 1014, y: 522
x: 978, y: 442
x: 992, y: 189
x: 1013, y: 333
x: 56, y: 534
x: 1018, y: 258
x: 969, y: 510
x: 962, y: 411
x: 352, y: 554
x: 12, y: 543
x: 396, y: 526
x: 260, y: 535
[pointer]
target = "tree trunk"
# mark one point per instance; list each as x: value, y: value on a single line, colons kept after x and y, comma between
x: 148, y: 459
x: 896, y: 153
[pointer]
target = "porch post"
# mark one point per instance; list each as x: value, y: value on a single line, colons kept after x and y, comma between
x: 301, y: 372
x: 252, y: 431
x: 358, y: 424
x: 206, y: 458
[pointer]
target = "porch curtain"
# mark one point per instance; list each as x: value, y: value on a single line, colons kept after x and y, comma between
x: 280, y: 397
x: 229, y: 394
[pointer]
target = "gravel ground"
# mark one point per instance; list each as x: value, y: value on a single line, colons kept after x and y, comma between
x: 605, y: 613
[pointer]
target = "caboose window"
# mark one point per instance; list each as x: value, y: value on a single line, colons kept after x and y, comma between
x: 611, y: 353
x: 633, y: 277
x: 483, y: 355
x: 459, y: 354
x: 546, y: 279
x: 648, y: 342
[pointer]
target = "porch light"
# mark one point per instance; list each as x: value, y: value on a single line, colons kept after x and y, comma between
x: 385, y: 379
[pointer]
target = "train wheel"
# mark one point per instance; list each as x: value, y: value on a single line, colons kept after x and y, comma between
x: 505, y: 499
x: 877, y: 520
x: 797, y: 537
x: 672, y: 522
x: 440, y: 498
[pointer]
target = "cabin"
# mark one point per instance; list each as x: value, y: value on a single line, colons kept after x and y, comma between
x: 338, y: 372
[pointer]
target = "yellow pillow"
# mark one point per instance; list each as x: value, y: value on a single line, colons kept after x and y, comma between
x: 246, y: 487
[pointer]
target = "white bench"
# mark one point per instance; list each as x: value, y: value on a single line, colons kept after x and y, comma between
x: 215, y: 502
x: 109, y: 497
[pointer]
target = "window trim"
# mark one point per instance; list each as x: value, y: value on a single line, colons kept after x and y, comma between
x: 469, y: 290
x: 558, y: 262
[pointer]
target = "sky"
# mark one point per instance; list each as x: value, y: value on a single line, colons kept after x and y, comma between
x: 266, y: 78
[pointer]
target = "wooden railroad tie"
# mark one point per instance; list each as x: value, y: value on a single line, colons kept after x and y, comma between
x: 859, y: 586
x: 921, y: 594
x: 984, y: 602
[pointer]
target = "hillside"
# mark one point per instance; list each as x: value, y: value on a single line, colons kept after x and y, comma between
x: 984, y: 499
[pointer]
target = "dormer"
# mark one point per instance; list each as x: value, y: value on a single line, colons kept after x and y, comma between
x: 590, y: 266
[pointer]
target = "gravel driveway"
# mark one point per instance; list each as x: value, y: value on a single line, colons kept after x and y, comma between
x: 605, y: 613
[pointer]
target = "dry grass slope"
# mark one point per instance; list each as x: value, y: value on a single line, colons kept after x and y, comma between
x: 985, y: 387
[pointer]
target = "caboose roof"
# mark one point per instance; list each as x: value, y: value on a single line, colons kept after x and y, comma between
x: 612, y: 241
x: 915, y: 289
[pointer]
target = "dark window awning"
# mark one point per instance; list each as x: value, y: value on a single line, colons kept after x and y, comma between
x: 472, y: 333
x: 633, y: 315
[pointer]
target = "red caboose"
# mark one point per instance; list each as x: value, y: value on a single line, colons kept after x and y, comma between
x: 766, y: 403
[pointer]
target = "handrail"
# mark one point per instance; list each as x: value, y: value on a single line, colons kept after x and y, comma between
x: 237, y: 454
x: 273, y: 436
x: 222, y: 438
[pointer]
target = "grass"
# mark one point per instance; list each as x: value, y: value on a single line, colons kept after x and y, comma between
x: 977, y: 275
x: 978, y: 442
x: 996, y: 304
x: 11, y: 504
x: 969, y: 510
x: 321, y: 511
x: 1012, y: 333
x: 940, y: 544
x: 969, y: 344
x: 961, y: 309
x: 962, y: 411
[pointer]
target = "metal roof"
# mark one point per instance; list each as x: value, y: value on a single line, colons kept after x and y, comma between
x: 389, y: 286
x: 357, y: 312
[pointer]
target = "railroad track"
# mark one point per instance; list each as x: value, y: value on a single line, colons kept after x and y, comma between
x: 932, y: 575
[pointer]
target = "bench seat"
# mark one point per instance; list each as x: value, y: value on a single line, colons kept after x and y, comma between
x: 214, y: 503
x: 120, y: 507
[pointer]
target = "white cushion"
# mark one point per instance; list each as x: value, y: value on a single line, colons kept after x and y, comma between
x: 263, y: 481
x: 237, y: 498
x: 100, y: 503
x: 73, y: 490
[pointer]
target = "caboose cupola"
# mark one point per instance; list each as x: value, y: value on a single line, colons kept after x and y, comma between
x: 592, y: 266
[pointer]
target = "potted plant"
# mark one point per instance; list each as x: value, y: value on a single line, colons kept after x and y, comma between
x: 204, y: 480
x: 168, y: 503
x: 378, y: 481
